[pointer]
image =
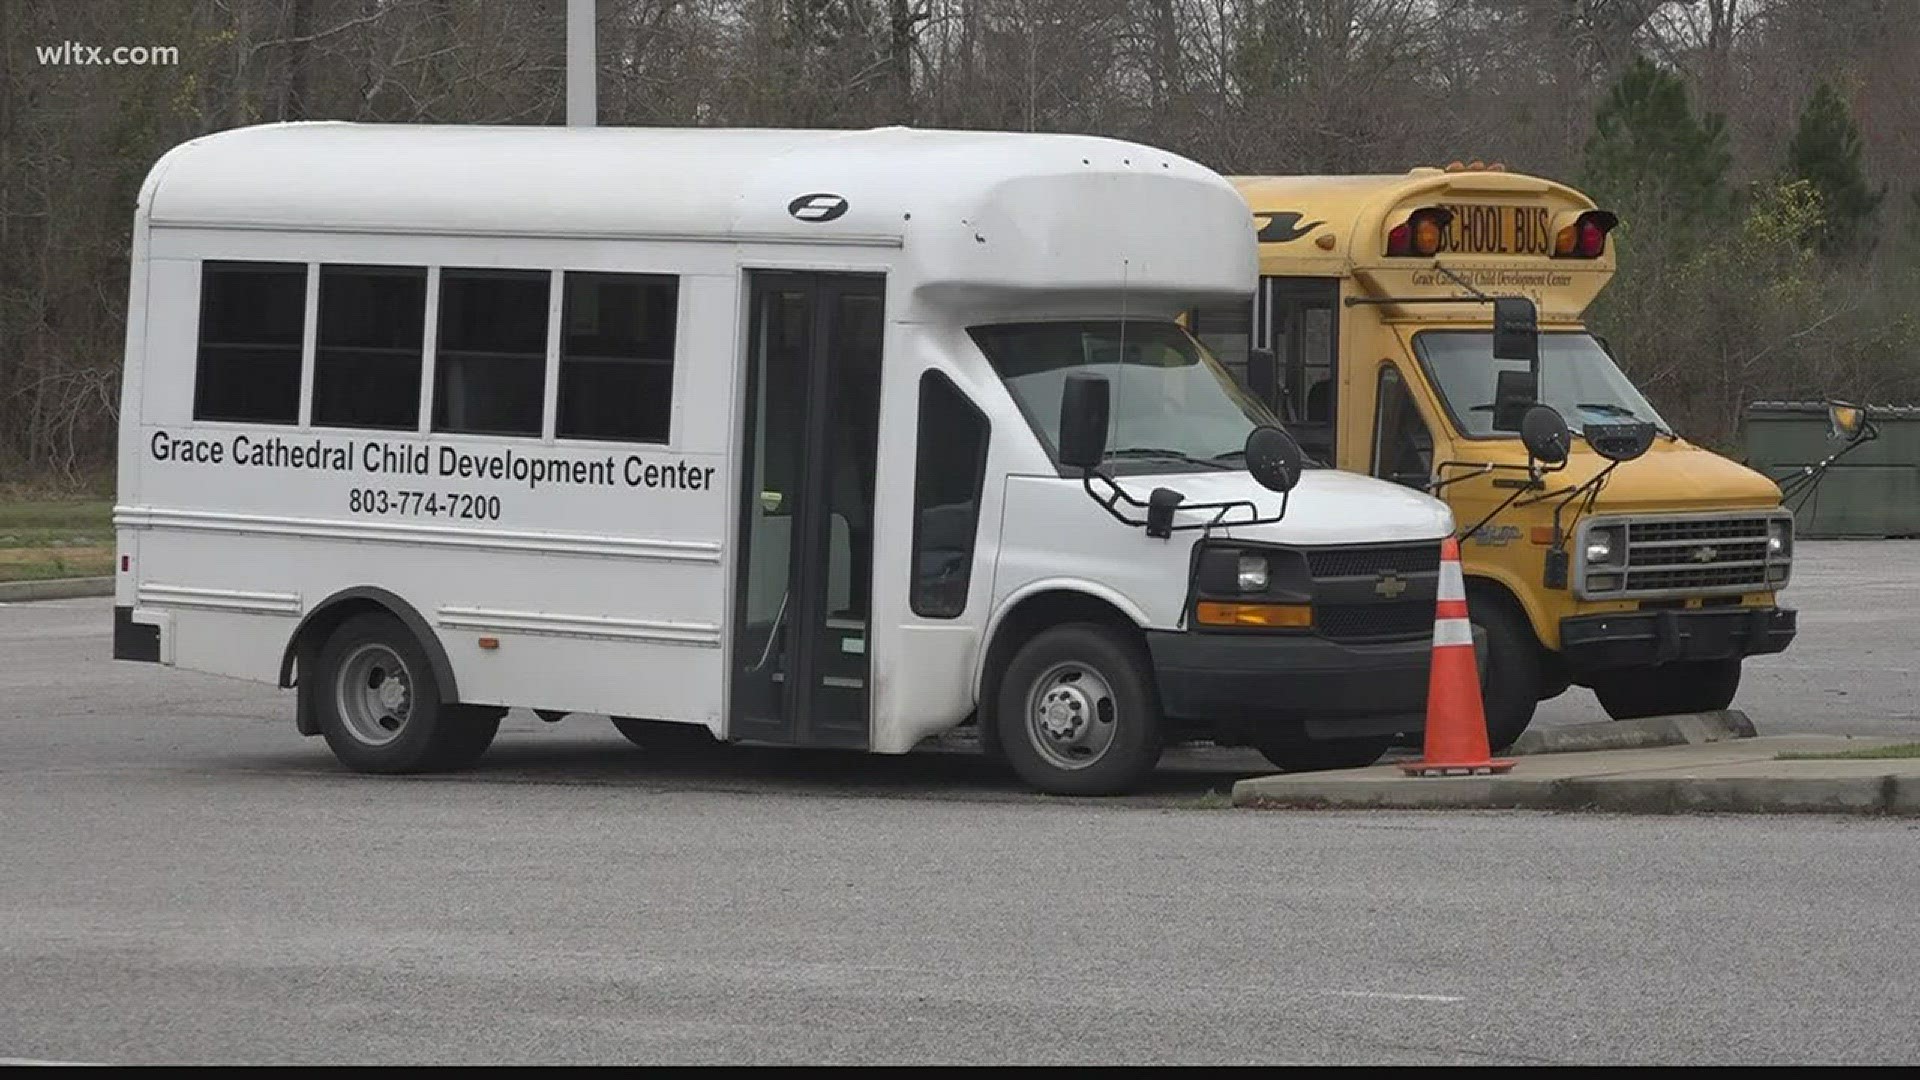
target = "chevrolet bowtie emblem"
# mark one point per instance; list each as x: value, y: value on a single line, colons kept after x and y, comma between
x: 1389, y: 585
x: 1704, y: 554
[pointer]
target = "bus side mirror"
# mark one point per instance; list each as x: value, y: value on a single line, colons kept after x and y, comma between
x: 1514, y: 392
x: 1083, y: 421
x: 1273, y: 458
x: 1516, y: 330
x: 1543, y: 431
x: 1844, y: 421
x: 1263, y: 376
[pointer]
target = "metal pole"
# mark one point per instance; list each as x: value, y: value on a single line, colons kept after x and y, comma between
x: 582, y: 64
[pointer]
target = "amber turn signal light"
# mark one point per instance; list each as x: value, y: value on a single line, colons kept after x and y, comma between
x: 1222, y: 613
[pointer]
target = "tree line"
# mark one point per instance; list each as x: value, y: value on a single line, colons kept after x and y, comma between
x: 1762, y: 154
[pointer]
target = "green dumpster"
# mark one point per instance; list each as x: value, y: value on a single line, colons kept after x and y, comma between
x: 1874, y: 491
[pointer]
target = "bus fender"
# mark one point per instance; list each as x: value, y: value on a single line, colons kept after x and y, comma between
x: 304, y: 646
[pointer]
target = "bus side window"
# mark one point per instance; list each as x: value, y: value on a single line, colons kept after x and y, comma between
x: 490, y: 362
x: 948, y: 472
x: 1402, y: 445
x: 252, y: 319
x: 367, y: 348
x: 616, y: 356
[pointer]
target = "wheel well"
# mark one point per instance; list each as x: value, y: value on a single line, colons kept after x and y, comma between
x: 1029, y: 617
x: 1482, y: 590
x: 303, y: 648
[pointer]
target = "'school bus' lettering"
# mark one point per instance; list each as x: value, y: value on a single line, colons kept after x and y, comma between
x: 1498, y: 230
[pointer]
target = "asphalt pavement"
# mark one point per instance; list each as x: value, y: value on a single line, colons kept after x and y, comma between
x: 183, y: 879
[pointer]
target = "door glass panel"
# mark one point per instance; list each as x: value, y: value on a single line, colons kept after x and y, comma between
x: 776, y: 384
x: 811, y: 425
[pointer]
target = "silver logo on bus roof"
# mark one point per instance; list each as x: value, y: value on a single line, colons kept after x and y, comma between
x: 820, y: 206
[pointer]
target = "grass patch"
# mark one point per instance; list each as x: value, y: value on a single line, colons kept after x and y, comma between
x: 1865, y: 753
x: 55, y: 538
x: 1212, y: 800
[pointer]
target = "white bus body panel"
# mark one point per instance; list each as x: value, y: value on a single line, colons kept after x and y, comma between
x: 617, y: 597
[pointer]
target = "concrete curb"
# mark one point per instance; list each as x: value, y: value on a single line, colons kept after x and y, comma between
x: 55, y: 589
x: 1684, y: 729
x: 1745, y: 776
x: 1889, y: 794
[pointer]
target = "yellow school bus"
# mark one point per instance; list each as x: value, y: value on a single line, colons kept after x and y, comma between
x: 1373, y: 334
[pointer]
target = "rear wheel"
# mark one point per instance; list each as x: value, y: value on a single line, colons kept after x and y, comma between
x: 1512, y: 685
x: 1077, y: 711
x: 1295, y: 753
x: 663, y: 734
x: 380, y: 705
x: 1688, y: 687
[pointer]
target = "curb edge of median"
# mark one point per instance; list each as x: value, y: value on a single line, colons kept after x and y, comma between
x: 55, y: 589
x: 1888, y: 794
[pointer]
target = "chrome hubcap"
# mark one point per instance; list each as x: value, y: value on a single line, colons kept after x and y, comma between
x: 1071, y: 715
x: 375, y: 694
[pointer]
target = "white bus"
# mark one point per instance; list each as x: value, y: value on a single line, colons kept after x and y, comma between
x: 747, y: 435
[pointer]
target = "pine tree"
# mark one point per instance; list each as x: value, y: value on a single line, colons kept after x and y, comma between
x: 1650, y: 158
x: 1826, y: 152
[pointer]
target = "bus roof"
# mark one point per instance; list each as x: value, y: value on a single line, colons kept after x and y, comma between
x: 1021, y: 211
x: 663, y: 182
x: 1336, y: 226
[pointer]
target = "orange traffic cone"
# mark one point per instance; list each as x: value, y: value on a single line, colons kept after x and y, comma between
x: 1456, y: 721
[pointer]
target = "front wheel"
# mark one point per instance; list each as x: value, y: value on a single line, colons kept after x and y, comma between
x: 1077, y: 711
x: 1512, y: 685
x: 1688, y: 687
x: 380, y: 705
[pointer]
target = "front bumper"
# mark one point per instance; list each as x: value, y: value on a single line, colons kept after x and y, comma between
x: 1650, y: 638
x: 1235, y: 682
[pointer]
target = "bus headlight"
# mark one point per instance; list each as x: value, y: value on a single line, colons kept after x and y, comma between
x: 1252, y: 575
x: 1780, y: 538
x: 1606, y: 546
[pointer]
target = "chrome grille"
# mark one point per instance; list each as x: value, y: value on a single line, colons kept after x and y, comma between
x: 1669, y: 556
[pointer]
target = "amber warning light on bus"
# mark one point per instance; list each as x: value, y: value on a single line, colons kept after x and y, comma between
x: 1421, y: 233
x: 1585, y: 237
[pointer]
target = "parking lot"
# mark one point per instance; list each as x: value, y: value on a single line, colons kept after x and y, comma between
x: 187, y: 880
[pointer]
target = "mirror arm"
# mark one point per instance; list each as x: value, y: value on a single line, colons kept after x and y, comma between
x: 1557, y: 561
x: 1808, y: 477
x: 1491, y: 514
x: 1111, y: 502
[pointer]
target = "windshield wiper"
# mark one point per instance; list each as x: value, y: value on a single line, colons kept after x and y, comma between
x: 1172, y: 455
x: 1607, y: 407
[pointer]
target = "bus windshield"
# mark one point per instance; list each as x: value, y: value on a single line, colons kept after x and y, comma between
x: 1577, y: 377
x: 1171, y: 406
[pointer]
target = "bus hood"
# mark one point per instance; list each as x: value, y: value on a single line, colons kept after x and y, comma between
x: 1673, y: 477
x: 1327, y: 507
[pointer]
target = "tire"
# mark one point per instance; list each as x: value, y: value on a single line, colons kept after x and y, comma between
x: 1078, y: 713
x: 380, y: 706
x: 1688, y: 687
x: 1291, y: 753
x: 1515, y: 679
x: 664, y: 734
